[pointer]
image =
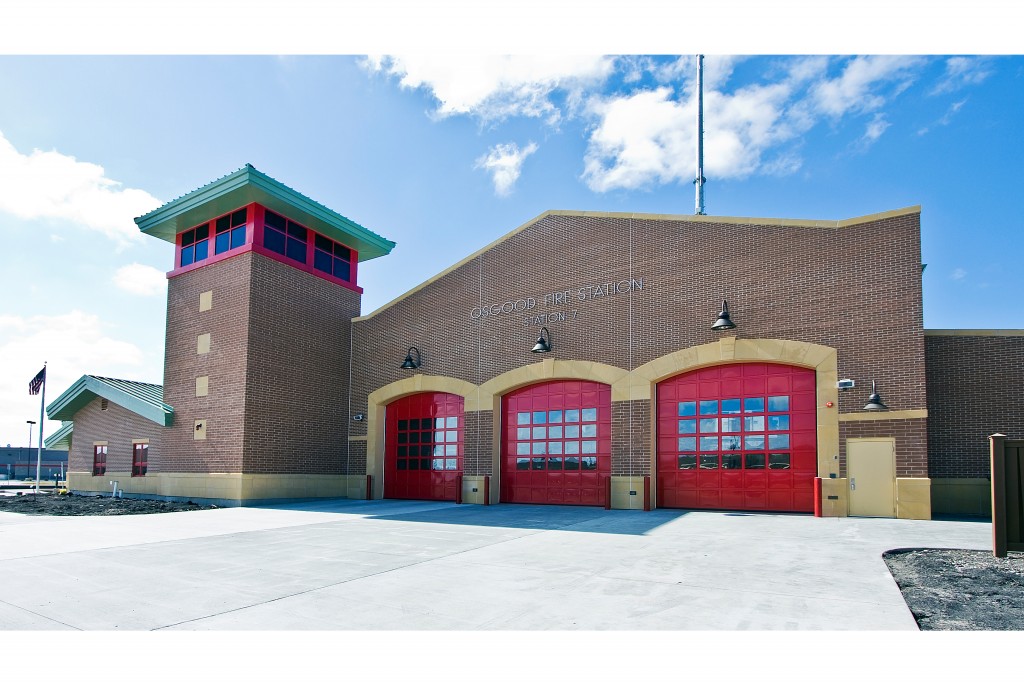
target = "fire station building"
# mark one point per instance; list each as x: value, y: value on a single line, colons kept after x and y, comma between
x: 584, y: 358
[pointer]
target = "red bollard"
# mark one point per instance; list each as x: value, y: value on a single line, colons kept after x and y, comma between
x: 817, y: 497
x: 647, y: 493
x: 458, y: 489
x: 369, y: 486
x: 487, y: 490
x: 607, y: 492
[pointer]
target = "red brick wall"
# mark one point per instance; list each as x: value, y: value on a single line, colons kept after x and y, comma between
x: 297, y: 415
x: 631, y: 438
x: 118, y: 427
x: 223, y: 408
x: 476, y: 444
x: 911, y: 443
x: 856, y: 288
x: 975, y: 389
x: 278, y: 369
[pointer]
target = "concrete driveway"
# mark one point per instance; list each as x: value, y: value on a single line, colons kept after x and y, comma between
x: 391, y: 565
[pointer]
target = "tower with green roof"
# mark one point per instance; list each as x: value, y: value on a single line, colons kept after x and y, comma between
x: 259, y: 307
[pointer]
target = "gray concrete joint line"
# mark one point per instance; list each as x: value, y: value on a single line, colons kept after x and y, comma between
x: 36, y: 613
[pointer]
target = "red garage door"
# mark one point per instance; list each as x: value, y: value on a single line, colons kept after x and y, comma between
x: 423, y: 446
x: 556, y: 440
x: 740, y: 436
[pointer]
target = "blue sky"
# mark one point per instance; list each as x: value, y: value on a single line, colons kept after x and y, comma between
x: 444, y: 153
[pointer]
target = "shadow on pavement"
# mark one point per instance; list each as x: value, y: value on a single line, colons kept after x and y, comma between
x: 524, y: 516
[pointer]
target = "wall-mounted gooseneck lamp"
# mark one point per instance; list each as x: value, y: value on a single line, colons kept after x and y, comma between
x: 874, y: 401
x: 542, y: 343
x: 409, y: 362
x: 724, y: 323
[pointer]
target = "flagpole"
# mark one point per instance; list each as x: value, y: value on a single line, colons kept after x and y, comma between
x: 39, y: 453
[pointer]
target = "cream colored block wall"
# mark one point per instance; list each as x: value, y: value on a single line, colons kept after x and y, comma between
x: 964, y: 496
x: 292, y: 486
x: 838, y: 488
x: 469, y: 484
x: 237, y: 487
x: 622, y: 486
x: 914, y: 498
x: 86, y: 482
x: 225, y: 486
x: 355, y: 487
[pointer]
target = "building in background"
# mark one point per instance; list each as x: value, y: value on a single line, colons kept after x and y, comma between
x: 19, y: 463
x: 584, y: 358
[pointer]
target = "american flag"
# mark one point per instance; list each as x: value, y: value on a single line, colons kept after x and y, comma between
x: 36, y: 383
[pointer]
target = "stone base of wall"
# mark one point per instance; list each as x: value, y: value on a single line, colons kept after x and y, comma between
x: 354, y: 487
x: 473, y: 490
x: 224, y: 489
x: 838, y: 488
x: 962, y: 496
x: 913, y: 498
x: 628, y: 492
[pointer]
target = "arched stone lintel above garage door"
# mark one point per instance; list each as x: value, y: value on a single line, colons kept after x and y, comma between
x: 640, y: 384
x: 824, y: 360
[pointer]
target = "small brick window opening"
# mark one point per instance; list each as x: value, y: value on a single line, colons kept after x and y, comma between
x: 99, y: 460
x: 140, y: 458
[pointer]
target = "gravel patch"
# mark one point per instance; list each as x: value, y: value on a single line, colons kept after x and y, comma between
x: 48, y: 504
x: 960, y: 589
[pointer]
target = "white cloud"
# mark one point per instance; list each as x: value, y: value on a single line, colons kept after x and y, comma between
x: 649, y: 136
x: 946, y: 118
x: 505, y: 162
x: 953, y: 109
x: 875, y: 128
x: 140, y: 279
x: 641, y: 139
x: 641, y: 125
x: 783, y: 165
x: 50, y: 185
x: 717, y: 70
x: 495, y: 87
x: 73, y: 344
x: 855, y: 89
x: 962, y: 72
x: 958, y: 274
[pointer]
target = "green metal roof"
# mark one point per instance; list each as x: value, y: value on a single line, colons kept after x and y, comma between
x: 250, y: 185
x: 61, y: 438
x: 145, y: 399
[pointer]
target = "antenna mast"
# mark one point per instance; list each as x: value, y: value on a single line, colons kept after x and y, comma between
x: 700, y: 180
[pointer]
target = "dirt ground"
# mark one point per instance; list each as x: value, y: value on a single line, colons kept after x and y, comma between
x: 958, y: 589
x: 48, y: 504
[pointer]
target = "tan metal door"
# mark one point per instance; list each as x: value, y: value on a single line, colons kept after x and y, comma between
x: 871, y: 469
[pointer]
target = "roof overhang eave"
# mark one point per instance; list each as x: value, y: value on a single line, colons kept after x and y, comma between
x: 249, y: 185
x: 87, y: 388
